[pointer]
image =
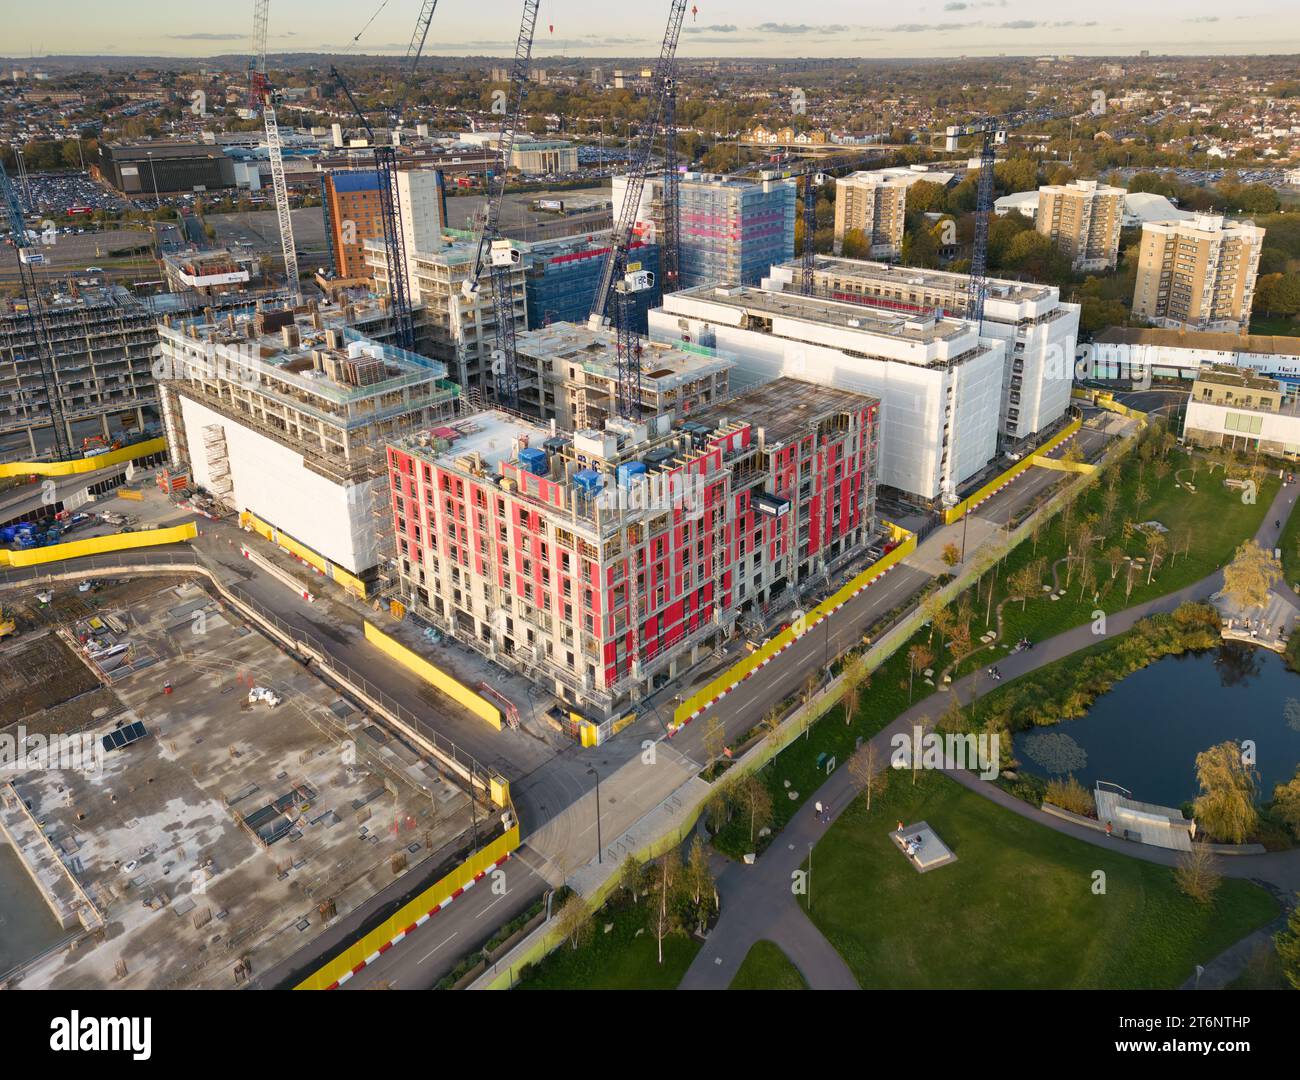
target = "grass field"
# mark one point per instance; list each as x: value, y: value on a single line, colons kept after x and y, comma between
x: 1213, y: 519
x: 1017, y: 910
x: 618, y: 960
x: 766, y: 967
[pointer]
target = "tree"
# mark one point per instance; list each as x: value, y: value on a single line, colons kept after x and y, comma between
x: 665, y: 912
x: 1157, y: 545
x: 867, y: 771
x: 755, y: 801
x: 1115, y: 555
x: 1026, y: 582
x: 1287, y: 943
x: 951, y: 554
x: 1286, y: 804
x: 1277, y: 294
x: 1197, y: 874
x: 1251, y: 574
x: 855, y: 244
x: 631, y: 877
x: 715, y: 740
x: 919, y: 657
x: 573, y: 921
x: 698, y: 878
x: 852, y: 681
x: 1226, y: 806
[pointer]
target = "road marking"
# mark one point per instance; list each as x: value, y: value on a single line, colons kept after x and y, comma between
x: 437, y: 947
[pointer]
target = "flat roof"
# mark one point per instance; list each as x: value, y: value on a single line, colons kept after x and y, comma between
x: 839, y: 313
x: 783, y: 408
x: 1207, y: 340
x: 490, y: 434
x: 662, y: 366
x: 897, y: 276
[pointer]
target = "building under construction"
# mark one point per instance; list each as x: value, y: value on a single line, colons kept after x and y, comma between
x: 104, y: 343
x: 285, y: 416
x: 569, y: 373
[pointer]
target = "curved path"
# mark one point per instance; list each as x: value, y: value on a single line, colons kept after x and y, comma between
x: 758, y: 901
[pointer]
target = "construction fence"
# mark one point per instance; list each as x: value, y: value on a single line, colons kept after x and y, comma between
x: 961, y: 509
x: 99, y: 545
x: 434, y: 676
x: 82, y: 465
x: 411, y: 915
x: 300, y: 551
x: 729, y: 679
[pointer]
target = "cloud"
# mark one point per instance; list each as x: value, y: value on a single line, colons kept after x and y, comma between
x: 725, y: 28
x: 1018, y: 24
x: 1202, y: 19
x: 801, y: 28
x: 208, y: 37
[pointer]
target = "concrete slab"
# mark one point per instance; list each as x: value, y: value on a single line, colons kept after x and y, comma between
x: 922, y: 847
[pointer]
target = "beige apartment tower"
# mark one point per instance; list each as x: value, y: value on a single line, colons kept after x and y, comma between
x: 1198, y: 274
x: 875, y: 204
x: 1083, y: 221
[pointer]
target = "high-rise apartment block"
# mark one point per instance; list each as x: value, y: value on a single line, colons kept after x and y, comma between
x: 1198, y: 274
x: 351, y: 206
x: 1083, y: 220
x: 731, y: 228
x: 874, y: 202
x: 603, y: 564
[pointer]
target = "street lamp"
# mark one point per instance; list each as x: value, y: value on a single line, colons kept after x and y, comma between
x: 600, y: 854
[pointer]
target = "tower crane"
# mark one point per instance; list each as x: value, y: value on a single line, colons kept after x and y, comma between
x: 621, y: 281
x: 494, y: 252
x: 262, y: 96
x: 385, y: 158
x: 42, y: 341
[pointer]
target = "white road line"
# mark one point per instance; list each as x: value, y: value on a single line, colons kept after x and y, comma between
x: 437, y: 947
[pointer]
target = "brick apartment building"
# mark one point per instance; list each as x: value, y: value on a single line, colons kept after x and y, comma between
x: 607, y: 563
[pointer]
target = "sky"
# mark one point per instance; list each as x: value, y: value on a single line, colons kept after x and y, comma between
x: 852, y: 28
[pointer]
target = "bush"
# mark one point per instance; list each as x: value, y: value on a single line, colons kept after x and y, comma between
x: 1070, y: 795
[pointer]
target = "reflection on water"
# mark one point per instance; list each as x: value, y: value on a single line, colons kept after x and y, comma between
x: 27, y: 927
x: 1145, y: 734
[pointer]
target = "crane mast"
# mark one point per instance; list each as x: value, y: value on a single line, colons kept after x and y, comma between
x: 41, y: 339
x: 262, y: 97
x: 495, y: 253
x: 617, y: 277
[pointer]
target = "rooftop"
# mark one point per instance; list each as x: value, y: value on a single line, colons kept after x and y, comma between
x: 1203, y: 340
x: 662, y: 366
x: 493, y: 435
x: 890, y: 273
x: 782, y: 408
x: 844, y: 315
x: 1228, y: 375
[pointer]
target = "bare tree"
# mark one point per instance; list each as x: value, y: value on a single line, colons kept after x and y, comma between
x: 1197, y: 874
x: 664, y: 914
x: 867, y: 771
x: 919, y: 657
x: 573, y: 921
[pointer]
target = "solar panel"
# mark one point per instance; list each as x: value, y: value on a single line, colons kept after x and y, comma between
x: 120, y: 737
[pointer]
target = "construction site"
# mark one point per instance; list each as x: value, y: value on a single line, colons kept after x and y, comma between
x: 236, y: 806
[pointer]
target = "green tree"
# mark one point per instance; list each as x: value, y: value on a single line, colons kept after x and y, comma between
x: 1251, y: 574
x: 855, y: 244
x: 1225, y: 809
x: 1287, y: 943
x: 1286, y: 804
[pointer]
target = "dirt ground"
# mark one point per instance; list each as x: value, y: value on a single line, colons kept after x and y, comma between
x: 37, y: 673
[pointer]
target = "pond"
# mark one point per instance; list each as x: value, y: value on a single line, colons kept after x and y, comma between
x: 27, y: 927
x: 1146, y: 732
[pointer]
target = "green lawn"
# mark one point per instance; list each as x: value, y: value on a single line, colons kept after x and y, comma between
x: 1017, y: 910
x: 1290, y: 545
x: 1213, y: 517
x: 619, y: 960
x: 766, y: 967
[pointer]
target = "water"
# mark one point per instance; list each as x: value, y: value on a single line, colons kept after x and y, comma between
x: 27, y: 927
x: 1146, y: 732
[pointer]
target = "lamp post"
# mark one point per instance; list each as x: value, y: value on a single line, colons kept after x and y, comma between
x: 600, y: 854
x: 157, y: 201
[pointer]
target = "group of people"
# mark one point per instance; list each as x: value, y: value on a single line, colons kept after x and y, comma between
x: 911, y: 844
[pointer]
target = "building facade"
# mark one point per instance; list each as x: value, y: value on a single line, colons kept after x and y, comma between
x: 1040, y: 332
x: 350, y: 203
x: 105, y: 342
x: 561, y: 277
x: 1242, y: 410
x: 1122, y: 352
x: 569, y: 373
x: 1083, y: 220
x: 287, y: 418
x: 139, y: 170
x: 606, y: 563
x: 544, y: 157
x: 938, y: 381
x: 1198, y: 274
